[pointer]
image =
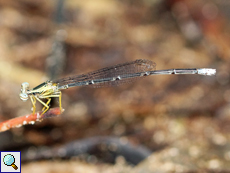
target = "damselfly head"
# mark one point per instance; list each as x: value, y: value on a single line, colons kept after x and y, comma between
x: 23, y: 95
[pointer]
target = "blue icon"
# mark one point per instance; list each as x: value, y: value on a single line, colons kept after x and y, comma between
x: 9, y: 160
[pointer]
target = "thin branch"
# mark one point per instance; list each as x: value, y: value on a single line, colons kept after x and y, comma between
x: 29, y: 119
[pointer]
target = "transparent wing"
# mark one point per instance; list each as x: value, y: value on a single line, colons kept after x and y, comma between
x: 137, y: 66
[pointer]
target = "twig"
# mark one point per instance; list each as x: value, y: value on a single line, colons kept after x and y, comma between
x: 29, y: 119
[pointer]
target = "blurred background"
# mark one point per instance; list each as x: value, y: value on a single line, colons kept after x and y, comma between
x: 180, y: 121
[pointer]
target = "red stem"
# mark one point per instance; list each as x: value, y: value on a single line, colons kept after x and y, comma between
x: 29, y: 119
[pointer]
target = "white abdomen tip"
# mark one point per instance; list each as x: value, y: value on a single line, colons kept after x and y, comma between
x: 207, y: 71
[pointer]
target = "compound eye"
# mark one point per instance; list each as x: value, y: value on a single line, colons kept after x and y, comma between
x: 23, y: 96
x: 25, y: 85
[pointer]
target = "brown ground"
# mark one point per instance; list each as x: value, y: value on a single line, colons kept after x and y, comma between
x: 183, y: 119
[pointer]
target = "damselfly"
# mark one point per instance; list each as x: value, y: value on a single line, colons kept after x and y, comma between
x: 108, y: 76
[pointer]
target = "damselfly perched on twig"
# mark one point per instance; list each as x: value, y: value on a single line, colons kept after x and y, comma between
x: 108, y: 76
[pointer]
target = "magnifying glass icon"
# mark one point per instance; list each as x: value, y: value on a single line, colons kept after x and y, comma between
x: 9, y: 160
